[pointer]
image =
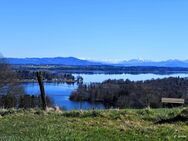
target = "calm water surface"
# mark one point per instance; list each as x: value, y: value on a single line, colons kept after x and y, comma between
x: 60, y: 92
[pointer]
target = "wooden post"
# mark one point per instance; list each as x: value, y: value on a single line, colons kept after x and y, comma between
x: 42, y: 91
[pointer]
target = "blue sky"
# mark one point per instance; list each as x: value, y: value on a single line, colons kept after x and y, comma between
x: 95, y: 29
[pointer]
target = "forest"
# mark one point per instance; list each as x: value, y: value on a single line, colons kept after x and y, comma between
x: 133, y: 94
x: 104, y: 69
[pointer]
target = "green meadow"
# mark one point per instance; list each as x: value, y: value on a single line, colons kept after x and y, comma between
x: 104, y: 125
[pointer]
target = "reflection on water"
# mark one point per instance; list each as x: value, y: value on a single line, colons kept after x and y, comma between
x: 60, y: 92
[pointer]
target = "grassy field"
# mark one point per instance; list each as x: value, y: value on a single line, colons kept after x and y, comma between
x: 106, y: 125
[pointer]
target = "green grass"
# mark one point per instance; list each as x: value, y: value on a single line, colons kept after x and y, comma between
x: 106, y: 125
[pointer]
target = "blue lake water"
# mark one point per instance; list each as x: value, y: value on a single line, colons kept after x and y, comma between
x: 60, y: 92
x: 133, y: 77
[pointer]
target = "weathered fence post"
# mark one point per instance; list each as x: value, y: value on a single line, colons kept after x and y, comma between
x: 42, y: 91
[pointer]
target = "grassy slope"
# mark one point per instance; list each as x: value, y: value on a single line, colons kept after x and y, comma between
x: 108, y: 125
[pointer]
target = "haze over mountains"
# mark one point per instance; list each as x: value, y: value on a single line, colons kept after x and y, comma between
x: 80, y: 62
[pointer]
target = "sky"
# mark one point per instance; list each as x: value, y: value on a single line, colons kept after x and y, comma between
x: 109, y: 30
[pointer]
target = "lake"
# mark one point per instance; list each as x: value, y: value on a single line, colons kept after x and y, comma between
x: 60, y: 92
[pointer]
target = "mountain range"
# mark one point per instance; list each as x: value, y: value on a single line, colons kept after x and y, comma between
x: 52, y: 61
x: 81, y: 62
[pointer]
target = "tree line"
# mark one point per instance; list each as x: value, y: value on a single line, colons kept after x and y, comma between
x: 107, y: 69
x: 133, y: 94
x: 30, y: 75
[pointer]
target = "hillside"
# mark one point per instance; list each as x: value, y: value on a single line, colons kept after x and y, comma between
x: 108, y: 125
x: 52, y: 61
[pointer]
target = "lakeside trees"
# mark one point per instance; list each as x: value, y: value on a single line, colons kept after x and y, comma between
x: 49, y: 76
x: 130, y: 94
x: 12, y: 94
